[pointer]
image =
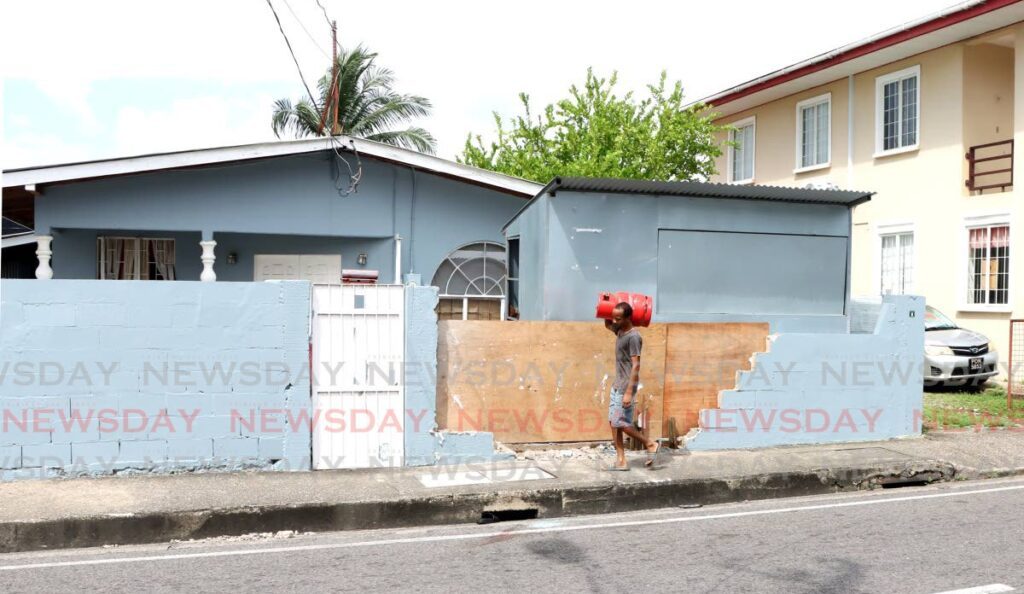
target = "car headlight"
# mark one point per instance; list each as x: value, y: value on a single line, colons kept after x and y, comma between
x: 936, y: 351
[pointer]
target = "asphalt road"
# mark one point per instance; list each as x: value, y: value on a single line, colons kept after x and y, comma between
x: 915, y: 540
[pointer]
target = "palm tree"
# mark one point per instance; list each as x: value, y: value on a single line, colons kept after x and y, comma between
x: 368, y: 107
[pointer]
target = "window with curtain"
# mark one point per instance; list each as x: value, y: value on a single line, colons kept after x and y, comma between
x: 897, y: 263
x: 741, y: 153
x: 813, y: 131
x: 988, y: 265
x: 898, y: 101
x: 135, y: 258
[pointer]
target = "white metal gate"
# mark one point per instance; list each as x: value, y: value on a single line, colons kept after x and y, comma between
x: 358, y: 395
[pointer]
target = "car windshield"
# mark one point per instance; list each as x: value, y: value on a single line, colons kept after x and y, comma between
x: 936, y: 320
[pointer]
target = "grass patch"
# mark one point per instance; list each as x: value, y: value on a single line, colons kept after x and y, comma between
x: 956, y: 410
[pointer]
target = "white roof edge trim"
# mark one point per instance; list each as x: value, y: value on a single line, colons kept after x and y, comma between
x: 210, y: 156
x: 710, y: 99
x: 16, y: 240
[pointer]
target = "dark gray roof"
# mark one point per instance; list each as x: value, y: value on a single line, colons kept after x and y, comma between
x: 12, y: 228
x: 848, y: 198
x: 707, y: 190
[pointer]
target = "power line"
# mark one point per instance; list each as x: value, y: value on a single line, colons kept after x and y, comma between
x: 326, y: 18
x: 294, y: 59
x: 308, y: 34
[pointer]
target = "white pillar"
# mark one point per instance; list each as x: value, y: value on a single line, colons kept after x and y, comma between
x: 398, y: 259
x: 43, y: 252
x: 208, y: 275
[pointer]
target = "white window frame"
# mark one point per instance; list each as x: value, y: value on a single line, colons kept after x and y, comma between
x: 883, y: 229
x: 503, y: 282
x: 974, y: 221
x: 880, y: 82
x: 800, y: 106
x: 751, y: 121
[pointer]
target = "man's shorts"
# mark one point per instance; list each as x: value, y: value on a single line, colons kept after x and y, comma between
x: 620, y: 416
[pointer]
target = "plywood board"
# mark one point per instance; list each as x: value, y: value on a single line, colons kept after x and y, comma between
x: 701, y: 360
x: 539, y: 381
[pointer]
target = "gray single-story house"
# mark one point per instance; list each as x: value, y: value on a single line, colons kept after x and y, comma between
x: 317, y: 209
x: 704, y: 251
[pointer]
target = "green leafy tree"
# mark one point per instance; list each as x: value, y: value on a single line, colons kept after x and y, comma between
x: 369, y: 108
x: 595, y: 133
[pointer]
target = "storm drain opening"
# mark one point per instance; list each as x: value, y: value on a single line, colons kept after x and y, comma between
x: 899, y: 483
x: 507, y: 515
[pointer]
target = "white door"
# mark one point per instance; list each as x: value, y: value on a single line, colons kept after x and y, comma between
x: 358, y: 394
x: 316, y: 268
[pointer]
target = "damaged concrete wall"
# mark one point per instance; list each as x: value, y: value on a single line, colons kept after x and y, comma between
x: 823, y: 388
x: 425, y: 443
x: 101, y: 377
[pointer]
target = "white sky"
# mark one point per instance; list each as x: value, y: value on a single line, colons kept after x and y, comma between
x: 86, y: 79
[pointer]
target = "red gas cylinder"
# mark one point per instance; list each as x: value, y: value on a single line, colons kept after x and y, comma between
x: 643, y: 306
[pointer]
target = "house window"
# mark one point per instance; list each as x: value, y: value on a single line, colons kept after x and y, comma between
x: 134, y: 258
x: 898, y: 98
x: 988, y: 265
x: 897, y: 263
x: 813, y: 132
x: 513, y: 278
x: 741, y: 151
x: 471, y: 282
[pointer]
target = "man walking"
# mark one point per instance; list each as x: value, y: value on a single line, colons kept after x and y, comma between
x: 628, y: 345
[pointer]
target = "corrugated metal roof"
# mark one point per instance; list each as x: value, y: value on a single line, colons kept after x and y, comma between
x: 848, y: 198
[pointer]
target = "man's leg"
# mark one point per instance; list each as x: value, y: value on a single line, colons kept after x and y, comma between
x: 620, y: 449
x: 649, y: 444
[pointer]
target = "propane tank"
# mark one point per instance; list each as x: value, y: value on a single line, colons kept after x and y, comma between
x: 643, y: 306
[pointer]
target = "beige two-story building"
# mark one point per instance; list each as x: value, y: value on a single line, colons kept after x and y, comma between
x: 926, y: 115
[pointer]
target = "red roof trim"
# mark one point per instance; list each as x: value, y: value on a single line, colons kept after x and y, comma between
x: 895, y: 38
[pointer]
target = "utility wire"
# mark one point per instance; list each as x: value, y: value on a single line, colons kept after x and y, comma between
x: 333, y: 143
x: 312, y: 98
x: 326, y: 18
x: 308, y: 34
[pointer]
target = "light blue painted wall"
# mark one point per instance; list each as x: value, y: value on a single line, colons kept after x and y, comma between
x: 827, y: 388
x: 141, y: 350
x: 380, y: 253
x: 420, y: 374
x: 602, y: 242
x: 283, y: 196
x: 424, y: 444
x: 77, y: 256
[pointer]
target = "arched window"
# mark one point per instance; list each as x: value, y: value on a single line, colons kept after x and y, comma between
x: 471, y: 282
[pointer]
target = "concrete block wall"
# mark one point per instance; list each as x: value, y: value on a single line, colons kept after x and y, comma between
x: 822, y: 388
x: 102, y: 377
x: 425, y: 445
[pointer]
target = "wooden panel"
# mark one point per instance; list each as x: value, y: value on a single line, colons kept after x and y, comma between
x: 701, y: 360
x: 538, y: 381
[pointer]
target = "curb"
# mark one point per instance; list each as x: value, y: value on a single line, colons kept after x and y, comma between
x: 461, y: 508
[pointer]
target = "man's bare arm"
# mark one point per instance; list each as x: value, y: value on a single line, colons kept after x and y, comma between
x: 608, y: 325
x: 634, y: 379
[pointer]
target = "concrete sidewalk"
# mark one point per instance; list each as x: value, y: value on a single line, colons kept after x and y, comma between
x: 130, y: 510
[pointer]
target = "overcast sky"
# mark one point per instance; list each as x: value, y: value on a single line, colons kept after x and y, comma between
x: 85, y: 79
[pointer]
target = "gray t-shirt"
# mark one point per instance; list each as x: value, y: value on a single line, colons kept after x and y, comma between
x: 627, y: 346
